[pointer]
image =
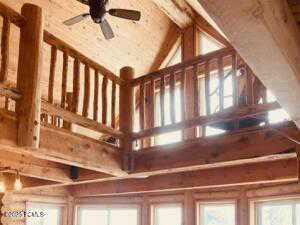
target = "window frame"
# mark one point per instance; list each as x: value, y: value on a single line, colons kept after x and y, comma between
x: 63, y: 206
x: 199, y: 212
x: 255, y: 206
x: 108, y: 207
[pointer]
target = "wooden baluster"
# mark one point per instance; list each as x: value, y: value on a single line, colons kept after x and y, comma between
x: 52, y: 74
x: 87, y: 91
x: 182, y: 97
x: 172, y: 98
x: 29, y: 76
x: 6, y: 103
x: 149, y: 109
x: 221, y: 83
x: 64, y: 80
x: 250, y: 98
x: 69, y: 107
x: 162, y: 100
x: 113, y: 105
x: 196, y: 91
x: 126, y: 113
x: 104, y: 100
x: 76, y: 85
x: 298, y: 162
x: 96, y: 96
x: 142, y: 106
x: 207, y: 88
x: 234, y: 80
x: 5, y: 49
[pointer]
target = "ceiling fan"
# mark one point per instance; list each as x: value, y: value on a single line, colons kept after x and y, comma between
x: 98, y: 12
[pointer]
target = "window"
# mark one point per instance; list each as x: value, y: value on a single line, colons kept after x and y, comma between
x: 208, y: 44
x: 176, y: 58
x: 278, y: 115
x: 52, y: 214
x: 108, y: 215
x: 279, y: 212
x: 167, y: 214
x: 171, y: 137
x: 220, y: 213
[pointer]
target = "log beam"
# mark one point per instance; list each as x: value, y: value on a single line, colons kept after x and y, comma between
x: 204, y: 152
x: 184, y: 14
x: 267, y: 37
x: 62, y: 146
x: 218, y: 177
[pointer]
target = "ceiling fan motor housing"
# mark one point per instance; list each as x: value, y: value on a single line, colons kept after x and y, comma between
x: 98, y: 9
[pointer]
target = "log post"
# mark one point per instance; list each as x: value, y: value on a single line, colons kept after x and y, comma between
x: 298, y: 162
x: 126, y: 116
x: 29, y: 76
x: 189, y: 209
x: 190, y: 49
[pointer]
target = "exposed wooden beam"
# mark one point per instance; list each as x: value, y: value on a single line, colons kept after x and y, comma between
x: 177, y: 10
x: 35, y: 168
x: 168, y: 49
x: 219, y: 177
x: 266, y: 36
x: 207, y: 28
x: 62, y: 146
x: 184, y: 13
x: 210, y: 151
x: 71, y: 149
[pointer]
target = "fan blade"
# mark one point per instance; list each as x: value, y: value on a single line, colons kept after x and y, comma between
x: 86, y: 2
x: 106, y: 30
x: 76, y: 19
x: 126, y: 14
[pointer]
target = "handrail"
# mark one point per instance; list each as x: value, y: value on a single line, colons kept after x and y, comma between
x: 12, y: 15
x: 184, y: 65
x: 63, y: 46
x: 226, y: 115
x: 77, y: 119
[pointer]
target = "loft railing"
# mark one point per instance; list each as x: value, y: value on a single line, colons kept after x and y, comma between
x: 225, y: 93
x: 11, y: 21
x: 87, y: 98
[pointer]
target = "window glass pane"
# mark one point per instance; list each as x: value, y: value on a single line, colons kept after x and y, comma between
x: 217, y: 214
x: 276, y: 214
x: 52, y: 214
x: 168, y: 215
x: 208, y: 45
x: 124, y: 217
x: 171, y: 137
x: 93, y: 217
x: 176, y: 58
x: 298, y: 214
x: 110, y: 215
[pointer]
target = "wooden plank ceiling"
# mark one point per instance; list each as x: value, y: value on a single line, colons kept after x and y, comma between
x: 136, y: 44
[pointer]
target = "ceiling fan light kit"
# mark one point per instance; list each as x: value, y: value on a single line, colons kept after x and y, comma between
x: 98, y: 13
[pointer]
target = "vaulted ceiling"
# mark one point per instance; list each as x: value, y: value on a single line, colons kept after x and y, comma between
x: 137, y: 44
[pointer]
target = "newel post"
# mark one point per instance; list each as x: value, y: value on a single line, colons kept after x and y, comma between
x: 126, y: 117
x: 29, y: 76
